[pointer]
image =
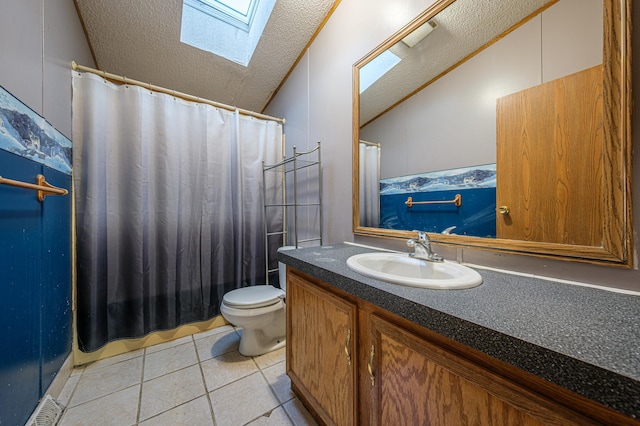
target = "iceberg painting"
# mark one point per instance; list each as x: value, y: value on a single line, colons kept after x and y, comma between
x: 25, y: 133
x: 474, y: 177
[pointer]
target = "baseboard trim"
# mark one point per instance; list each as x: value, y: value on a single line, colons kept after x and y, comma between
x: 61, y: 378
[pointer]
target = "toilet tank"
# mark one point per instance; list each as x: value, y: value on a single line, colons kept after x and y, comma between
x: 282, y: 268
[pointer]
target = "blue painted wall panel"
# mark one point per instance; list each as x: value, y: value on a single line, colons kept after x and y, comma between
x: 35, y: 289
x: 476, y: 215
x: 20, y: 228
x: 55, y: 280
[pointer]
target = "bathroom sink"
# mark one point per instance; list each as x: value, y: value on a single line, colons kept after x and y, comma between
x: 400, y: 268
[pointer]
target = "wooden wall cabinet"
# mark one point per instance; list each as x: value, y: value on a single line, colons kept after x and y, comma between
x: 351, y: 362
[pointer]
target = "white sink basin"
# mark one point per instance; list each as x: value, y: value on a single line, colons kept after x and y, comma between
x: 400, y: 268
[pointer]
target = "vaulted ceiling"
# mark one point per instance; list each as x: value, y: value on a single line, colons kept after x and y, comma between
x: 140, y: 39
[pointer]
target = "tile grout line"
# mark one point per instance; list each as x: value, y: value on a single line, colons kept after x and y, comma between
x: 144, y: 358
x: 183, y: 368
x: 259, y: 369
x: 73, y: 392
x: 204, y: 382
x: 273, y: 391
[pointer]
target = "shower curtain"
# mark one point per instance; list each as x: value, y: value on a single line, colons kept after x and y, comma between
x: 369, y: 156
x: 169, y: 211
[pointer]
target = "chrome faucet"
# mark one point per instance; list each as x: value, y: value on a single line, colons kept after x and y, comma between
x: 422, y: 248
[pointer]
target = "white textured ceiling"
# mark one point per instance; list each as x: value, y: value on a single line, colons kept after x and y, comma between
x: 463, y: 28
x: 140, y: 39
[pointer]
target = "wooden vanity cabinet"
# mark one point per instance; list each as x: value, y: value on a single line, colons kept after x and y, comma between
x: 321, y: 333
x: 415, y: 382
x: 403, y: 374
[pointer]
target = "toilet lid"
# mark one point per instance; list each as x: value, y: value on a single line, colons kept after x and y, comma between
x: 253, y: 297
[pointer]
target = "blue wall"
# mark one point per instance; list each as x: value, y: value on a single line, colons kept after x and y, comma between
x: 35, y: 287
x: 476, y: 215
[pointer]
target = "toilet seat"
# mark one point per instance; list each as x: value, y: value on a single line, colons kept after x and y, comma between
x: 253, y: 297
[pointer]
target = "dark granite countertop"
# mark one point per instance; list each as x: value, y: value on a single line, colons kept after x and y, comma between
x: 584, y: 339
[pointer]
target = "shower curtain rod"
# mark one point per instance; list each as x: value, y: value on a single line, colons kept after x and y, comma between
x: 125, y: 80
x: 370, y: 143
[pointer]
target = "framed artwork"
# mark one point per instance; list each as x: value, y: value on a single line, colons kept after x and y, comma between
x: 25, y: 133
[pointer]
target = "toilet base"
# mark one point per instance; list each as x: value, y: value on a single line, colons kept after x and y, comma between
x: 263, y: 329
x: 254, y: 343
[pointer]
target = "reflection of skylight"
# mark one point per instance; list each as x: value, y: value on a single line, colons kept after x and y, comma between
x: 378, y: 67
x: 227, y: 28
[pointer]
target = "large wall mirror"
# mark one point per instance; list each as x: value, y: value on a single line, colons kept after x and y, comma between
x: 502, y: 125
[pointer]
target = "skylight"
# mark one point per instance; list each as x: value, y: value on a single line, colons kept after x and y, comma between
x: 238, y: 13
x: 227, y: 28
x: 379, y: 66
x: 238, y: 6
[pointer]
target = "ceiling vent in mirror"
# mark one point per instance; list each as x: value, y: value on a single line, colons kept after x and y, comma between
x: 419, y: 33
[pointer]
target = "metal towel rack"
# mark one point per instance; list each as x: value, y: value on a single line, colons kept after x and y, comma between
x: 42, y: 186
x: 457, y: 200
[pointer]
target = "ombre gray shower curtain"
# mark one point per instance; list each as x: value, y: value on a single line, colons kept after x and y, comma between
x: 369, y: 155
x: 169, y: 215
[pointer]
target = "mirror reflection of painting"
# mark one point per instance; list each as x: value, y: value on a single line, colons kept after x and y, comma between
x: 458, y: 201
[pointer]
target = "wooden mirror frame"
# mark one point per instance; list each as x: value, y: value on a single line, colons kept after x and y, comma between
x: 617, y: 247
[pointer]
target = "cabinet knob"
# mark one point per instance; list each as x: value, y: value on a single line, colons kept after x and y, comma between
x: 503, y: 210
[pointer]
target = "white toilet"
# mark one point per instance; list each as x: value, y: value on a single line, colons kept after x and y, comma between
x: 260, y: 311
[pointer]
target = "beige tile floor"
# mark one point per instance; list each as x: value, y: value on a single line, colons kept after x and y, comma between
x: 195, y: 380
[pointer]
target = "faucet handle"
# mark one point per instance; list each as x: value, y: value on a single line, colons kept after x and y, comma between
x: 422, y: 236
x: 448, y: 230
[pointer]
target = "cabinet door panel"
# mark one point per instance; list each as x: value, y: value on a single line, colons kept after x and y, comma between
x: 320, y: 342
x: 416, y: 382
